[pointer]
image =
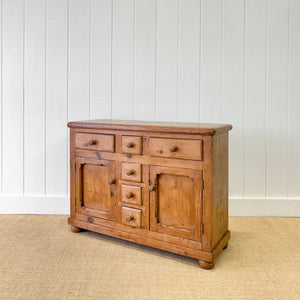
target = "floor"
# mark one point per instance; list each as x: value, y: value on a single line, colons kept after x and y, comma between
x: 40, y: 258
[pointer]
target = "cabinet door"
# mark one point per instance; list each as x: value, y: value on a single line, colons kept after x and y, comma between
x: 95, y: 187
x: 175, y: 201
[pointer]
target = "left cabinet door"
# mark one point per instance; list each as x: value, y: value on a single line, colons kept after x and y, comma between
x: 96, y: 188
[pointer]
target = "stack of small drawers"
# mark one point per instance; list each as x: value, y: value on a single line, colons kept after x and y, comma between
x: 131, y: 177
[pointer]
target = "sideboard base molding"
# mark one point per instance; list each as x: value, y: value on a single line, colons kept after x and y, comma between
x: 205, y: 256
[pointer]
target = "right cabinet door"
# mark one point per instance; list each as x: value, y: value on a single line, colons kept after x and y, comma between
x: 176, y: 201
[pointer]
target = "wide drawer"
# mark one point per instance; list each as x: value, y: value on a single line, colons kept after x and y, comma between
x: 131, y: 144
x: 176, y: 148
x: 132, y: 172
x: 132, y: 194
x: 100, y: 142
x: 131, y: 216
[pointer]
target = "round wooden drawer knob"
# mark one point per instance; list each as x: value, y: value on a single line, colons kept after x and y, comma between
x: 129, y: 218
x: 173, y: 148
x: 129, y: 195
x: 130, y: 145
x: 111, y: 181
x: 92, y: 142
x: 151, y: 188
x: 130, y: 172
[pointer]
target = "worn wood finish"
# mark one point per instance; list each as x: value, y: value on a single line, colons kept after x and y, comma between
x: 221, y: 244
x: 139, y: 231
x: 75, y: 229
x: 132, y: 194
x: 100, y: 142
x: 95, y: 187
x: 176, y: 148
x: 152, y: 126
x: 144, y: 159
x: 131, y: 144
x: 206, y: 265
x: 143, y: 239
x: 175, y: 201
x: 207, y: 194
x: 132, y: 172
x: 219, y: 212
x: 161, y: 185
x: 131, y: 216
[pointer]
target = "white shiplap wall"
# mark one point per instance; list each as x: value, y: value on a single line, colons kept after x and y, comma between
x: 221, y: 61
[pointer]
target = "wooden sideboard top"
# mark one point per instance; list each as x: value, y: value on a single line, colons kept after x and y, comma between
x: 152, y: 126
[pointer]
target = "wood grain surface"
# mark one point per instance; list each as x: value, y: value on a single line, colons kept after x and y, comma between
x: 152, y: 186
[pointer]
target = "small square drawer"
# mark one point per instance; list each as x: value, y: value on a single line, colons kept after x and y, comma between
x: 132, y: 194
x: 131, y: 216
x: 132, y: 172
x: 100, y: 142
x: 176, y: 148
x: 131, y: 144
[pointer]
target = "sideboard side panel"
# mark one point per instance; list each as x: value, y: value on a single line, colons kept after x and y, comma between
x: 207, y: 193
x: 219, y: 210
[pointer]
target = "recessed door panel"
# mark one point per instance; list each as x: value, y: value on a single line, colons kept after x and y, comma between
x: 176, y: 206
x: 96, y: 187
x: 175, y: 202
x: 96, y: 192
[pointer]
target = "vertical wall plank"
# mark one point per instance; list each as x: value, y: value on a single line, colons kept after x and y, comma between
x: 79, y: 61
x: 34, y: 97
x: 277, y: 92
x: 233, y: 89
x: 144, y: 60
x: 12, y: 113
x: 294, y: 102
x: 167, y: 60
x: 211, y: 61
x: 188, y: 68
x: 100, y: 58
x: 56, y: 97
x: 122, y: 61
x: 255, y: 98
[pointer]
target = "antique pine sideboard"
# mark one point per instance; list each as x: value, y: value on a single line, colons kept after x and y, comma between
x: 160, y: 184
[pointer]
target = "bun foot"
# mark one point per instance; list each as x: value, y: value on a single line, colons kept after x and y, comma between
x: 206, y: 265
x: 225, y: 247
x: 75, y: 229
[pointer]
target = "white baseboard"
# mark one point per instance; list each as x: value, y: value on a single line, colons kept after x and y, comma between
x: 271, y: 207
x: 49, y: 205
x: 264, y: 207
